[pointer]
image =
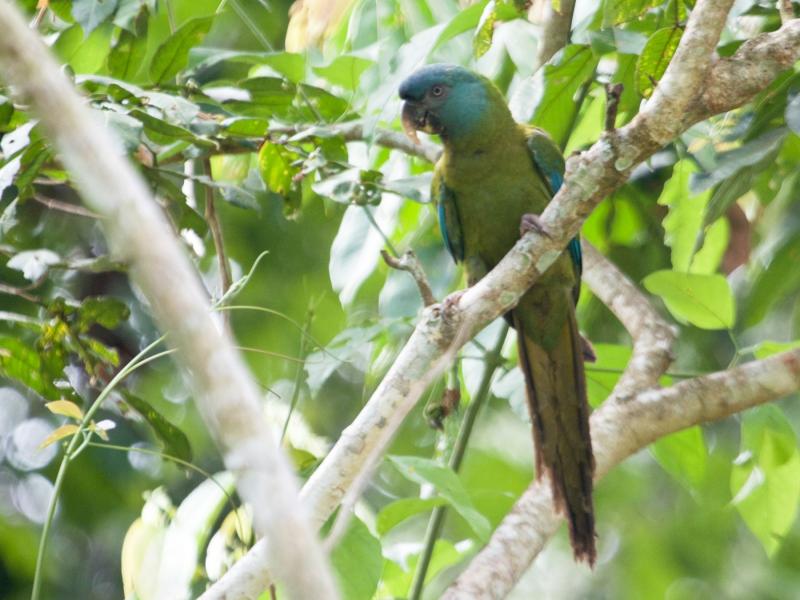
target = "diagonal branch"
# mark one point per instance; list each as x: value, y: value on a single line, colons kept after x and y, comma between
x: 592, y: 175
x: 653, y: 337
x: 137, y: 230
x: 619, y: 429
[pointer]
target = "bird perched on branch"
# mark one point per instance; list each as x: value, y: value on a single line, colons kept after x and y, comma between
x: 493, y: 179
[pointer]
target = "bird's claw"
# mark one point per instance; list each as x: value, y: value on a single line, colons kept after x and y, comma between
x: 532, y: 222
x: 450, y: 303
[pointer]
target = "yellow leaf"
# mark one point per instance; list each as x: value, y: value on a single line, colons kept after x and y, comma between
x: 65, y: 408
x: 58, y: 434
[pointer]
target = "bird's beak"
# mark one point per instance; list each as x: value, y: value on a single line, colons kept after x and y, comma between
x: 413, y: 118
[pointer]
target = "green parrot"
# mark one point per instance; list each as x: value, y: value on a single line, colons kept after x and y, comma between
x: 493, y: 179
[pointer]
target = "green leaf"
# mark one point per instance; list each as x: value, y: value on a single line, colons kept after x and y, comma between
x: 705, y: 301
x: 181, y: 548
x: 23, y: 364
x: 106, y: 311
x: 728, y: 164
x: 65, y: 408
x: 463, y: 21
x: 59, y: 434
x: 683, y: 222
x: 276, y: 168
x: 482, y: 40
x: 173, y: 54
x: 603, y: 374
x: 683, y: 455
x: 91, y: 13
x: 398, y: 511
x: 765, y: 479
x: 769, y: 348
x: 556, y: 107
x: 290, y: 65
x: 358, y: 562
x: 128, y: 54
x: 449, y: 486
x: 163, y: 132
x: 655, y: 57
x: 84, y: 55
x: 616, y: 12
x: 345, y: 71
x: 245, y: 126
x: 174, y: 440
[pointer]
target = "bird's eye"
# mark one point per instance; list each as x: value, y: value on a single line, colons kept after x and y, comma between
x: 437, y: 90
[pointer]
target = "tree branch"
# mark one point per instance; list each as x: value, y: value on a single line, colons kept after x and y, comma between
x: 410, y: 263
x: 226, y: 395
x: 555, y: 31
x: 354, y: 131
x: 619, y: 429
x: 653, y: 337
x: 679, y: 101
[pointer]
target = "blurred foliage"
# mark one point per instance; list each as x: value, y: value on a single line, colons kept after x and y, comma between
x: 232, y: 134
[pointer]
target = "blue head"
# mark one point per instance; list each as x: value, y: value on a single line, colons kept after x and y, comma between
x: 445, y: 99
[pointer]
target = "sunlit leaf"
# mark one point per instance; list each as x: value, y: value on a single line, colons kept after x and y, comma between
x: 84, y: 54
x: 683, y: 455
x: 705, y: 301
x: 447, y: 483
x: 187, y: 534
x: 90, y: 13
x: 655, y: 58
x: 65, y: 408
x: 398, y: 511
x: 682, y: 225
x: 59, y: 434
x: 765, y: 481
x: 357, y: 561
x: 276, y: 168
x: 621, y: 11
x: 20, y: 362
x: 173, y: 54
x: 344, y: 71
x: 562, y: 77
x: 769, y: 348
x: 127, y: 56
x: 33, y: 263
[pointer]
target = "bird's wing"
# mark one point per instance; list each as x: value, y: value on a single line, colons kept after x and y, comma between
x: 449, y: 220
x: 550, y: 163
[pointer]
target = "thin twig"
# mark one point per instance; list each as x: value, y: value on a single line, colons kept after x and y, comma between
x: 410, y: 263
x: 613, y: 94
x: 215, y: 227
x: 66, y: 207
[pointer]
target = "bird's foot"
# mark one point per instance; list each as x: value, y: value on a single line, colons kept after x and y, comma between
x: 532, y: 222
x: 450, y: 304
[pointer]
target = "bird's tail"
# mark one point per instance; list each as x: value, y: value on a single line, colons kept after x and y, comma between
x: 556, y: 390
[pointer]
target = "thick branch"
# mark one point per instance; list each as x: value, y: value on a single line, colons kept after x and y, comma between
x: 227, y: 397
x: 619, y: 429
x: 591, y: 176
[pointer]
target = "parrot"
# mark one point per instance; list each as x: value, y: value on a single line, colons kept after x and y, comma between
x: 492, y: 180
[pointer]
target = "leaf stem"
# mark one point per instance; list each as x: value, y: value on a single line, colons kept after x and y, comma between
x: 214, y: 225
x: 136, y: 362
x: 493, y: 360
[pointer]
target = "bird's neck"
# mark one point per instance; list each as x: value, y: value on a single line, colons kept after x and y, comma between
x: 489, y: 135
